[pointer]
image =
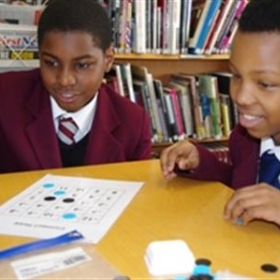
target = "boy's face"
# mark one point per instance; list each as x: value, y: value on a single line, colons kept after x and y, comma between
x: 72, y: 67
x: 255, y: 84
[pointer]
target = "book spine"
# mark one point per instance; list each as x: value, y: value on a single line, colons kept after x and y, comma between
x: 211, y: 13
x: 198, y: 28
x: 218, y: 25
x: 150, y: 84
x: 140, y: 27
x: 171, y: 118
x: 226, y: 25
x: 233, y: 27
x: 18, y: 55
x: 185, y: 25
x: 175, y: 26
x: 177, y: 111
x: 225, y: 114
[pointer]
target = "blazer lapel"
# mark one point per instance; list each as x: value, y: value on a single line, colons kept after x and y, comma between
x: 103, y: 147
x: 40, y: 130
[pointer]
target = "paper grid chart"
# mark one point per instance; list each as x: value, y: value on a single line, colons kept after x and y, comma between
x: 58, y: 204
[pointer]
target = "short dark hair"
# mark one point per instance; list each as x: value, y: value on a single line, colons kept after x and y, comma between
x: 260, y: 16
x: 77, y: 15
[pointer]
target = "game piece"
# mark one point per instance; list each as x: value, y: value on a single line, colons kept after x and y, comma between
x: 201, y: 272
x: 203, y: 261
x: 239, y: 221
x: 271, y: 268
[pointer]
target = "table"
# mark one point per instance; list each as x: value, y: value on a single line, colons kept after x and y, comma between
x: 163, y: 210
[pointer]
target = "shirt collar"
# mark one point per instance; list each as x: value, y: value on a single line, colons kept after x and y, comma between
x: 268, y: 144
x: 83, y: 118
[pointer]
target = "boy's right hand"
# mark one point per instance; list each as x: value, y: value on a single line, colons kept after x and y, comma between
x: 184, y: 154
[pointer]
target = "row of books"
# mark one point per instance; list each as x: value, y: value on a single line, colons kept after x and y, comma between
x: 199, y: 27
x: 174, y: 26
x: 187, y: 106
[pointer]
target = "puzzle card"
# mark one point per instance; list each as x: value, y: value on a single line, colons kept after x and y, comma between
x: 58, y: 204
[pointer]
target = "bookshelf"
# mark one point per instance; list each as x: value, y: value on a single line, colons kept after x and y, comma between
x: 161, y: 67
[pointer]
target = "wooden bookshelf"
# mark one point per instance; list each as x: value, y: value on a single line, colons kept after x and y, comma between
x: 161, y: 66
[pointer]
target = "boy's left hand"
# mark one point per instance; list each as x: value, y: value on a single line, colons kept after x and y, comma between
x: 260, y: 201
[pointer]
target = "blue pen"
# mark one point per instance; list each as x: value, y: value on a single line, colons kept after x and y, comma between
x: 41, y: 244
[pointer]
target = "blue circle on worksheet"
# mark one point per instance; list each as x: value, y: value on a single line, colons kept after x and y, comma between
x: 48, y: 185
x: 59, y: 193
x: 69, y: 216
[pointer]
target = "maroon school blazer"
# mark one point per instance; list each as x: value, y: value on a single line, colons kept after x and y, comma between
x: 120, y: 131
x: 244, y: 153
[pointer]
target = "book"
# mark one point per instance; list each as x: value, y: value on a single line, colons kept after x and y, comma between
x: 167, y: 131
x: 171, y: 119
x: 126, y: 76
x: 116, y: 70
x: 196, y: 105
x: 141, y: 90
x: 199, y: 13
x: 223, y: 81
x: 175, y: 26
x: 225, y: 114
x: 185, y: 102
x: 206, y: 26
x: 225, y: 8
x: 186, y: 7
x: 114, y: 13
x: 232, y: 27
x: 176, y: 109
x: 141, y: 73
x: 208, y: 85
x: 140, y: 27
x: 226, y: 25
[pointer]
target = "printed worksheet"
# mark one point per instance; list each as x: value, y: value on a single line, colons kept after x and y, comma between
x: 58, y: 204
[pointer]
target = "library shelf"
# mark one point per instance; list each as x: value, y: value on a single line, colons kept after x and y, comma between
x: 160, y: 65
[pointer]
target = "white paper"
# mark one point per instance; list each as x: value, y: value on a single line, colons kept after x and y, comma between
x: 58, y: 204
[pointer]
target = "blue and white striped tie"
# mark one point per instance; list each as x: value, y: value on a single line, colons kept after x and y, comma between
x: 269, y: 169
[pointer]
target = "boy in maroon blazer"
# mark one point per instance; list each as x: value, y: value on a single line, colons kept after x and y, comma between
x: 255, y: 89
x: 62, y: 114
x: 99, y: 126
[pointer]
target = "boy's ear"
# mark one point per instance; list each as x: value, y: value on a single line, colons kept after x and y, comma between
x: 109, y: 58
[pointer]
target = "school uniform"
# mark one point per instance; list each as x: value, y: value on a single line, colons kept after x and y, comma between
x: 28, y: 141
x: 244, y: 155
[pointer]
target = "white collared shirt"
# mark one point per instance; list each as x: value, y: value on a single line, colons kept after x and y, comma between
x: 83, y: 118
x: 268, y: 144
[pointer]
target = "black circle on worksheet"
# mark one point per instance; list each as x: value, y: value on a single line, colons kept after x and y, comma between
x: 271, y: 268
x: 68, y: 200
x: 203, y: 261
x: 49, y: 198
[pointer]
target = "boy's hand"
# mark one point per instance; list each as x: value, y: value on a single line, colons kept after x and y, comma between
x: 260, y: 201
x: 184, y: 154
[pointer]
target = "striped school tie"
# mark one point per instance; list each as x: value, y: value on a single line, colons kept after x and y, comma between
x: 269, y: 169
x: 67, y: 129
